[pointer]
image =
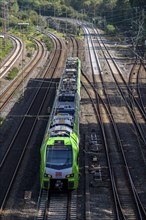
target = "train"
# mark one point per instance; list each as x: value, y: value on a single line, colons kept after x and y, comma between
x: 59, y: 168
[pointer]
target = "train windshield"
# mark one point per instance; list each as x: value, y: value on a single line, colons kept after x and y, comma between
x: 59, y: 157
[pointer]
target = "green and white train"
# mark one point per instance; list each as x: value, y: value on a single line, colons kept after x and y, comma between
x: 60, y: 148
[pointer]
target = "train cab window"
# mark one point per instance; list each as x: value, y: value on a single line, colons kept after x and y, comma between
x: 59, y: 157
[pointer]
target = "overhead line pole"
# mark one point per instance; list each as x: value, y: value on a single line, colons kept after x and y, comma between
x: 4, y: 21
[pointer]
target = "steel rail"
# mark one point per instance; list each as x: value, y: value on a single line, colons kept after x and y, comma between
x: 126, y: 85
x: 13, y: 87
x: 135, y: 194
x: 137, y: 70
x: 98, y: 115
x: 11, y: 60
x: 140, y: 131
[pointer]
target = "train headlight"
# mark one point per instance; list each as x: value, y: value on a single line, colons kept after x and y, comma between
x: 70, y: 175
x: 47, y: 175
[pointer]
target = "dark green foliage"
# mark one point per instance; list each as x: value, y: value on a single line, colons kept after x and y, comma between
x: 111, y: 29
x: 12, y: 74
x: 47, y: 42
x: 5, y: 47
x: 29, y: 55
x: 119, y: 13
x: 31, y: 45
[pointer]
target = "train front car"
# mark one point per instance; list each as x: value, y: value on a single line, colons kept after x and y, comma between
x: 60, y: 148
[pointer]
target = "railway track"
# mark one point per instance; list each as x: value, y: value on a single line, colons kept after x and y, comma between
x: 56, y: 205
x: 27, y: 125
x: 8, y: 63
x: 11, y: 90
x: 120, y: 80
x: 121, y: 202
x: 136, y: 110
x: 125, y: 92
x: 137, y: 83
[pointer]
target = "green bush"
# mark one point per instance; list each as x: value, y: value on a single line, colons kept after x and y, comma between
x: 13, y: 73
x: 48, y: 42
x: 5, y: 47
x: 111, y: 29
x: 30, y: 45
x: 29, y: 55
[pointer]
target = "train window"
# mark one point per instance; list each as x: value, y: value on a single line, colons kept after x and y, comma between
x: 59, y: 157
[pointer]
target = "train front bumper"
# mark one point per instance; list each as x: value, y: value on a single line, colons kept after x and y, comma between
x: 68, y: 183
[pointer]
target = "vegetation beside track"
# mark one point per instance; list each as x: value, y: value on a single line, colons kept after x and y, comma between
x: 114, y: 16
x: 6, y: 47
x: 13, y: 73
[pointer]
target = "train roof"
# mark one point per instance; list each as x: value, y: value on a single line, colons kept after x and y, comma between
x: 60, y: 130
x: 62, y: 119
x: 64, y: 109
